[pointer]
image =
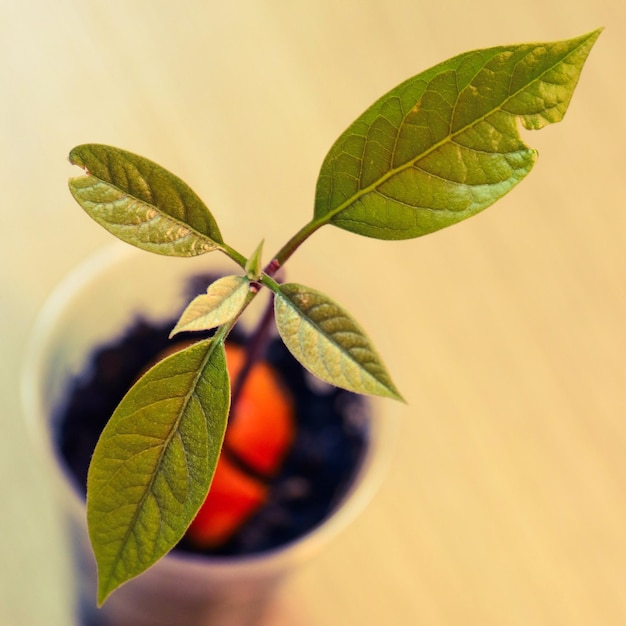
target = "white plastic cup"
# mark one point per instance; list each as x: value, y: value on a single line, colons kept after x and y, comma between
x: 94, y: 304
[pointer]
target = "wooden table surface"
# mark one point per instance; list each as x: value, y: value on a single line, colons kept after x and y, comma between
x: 506, y: 500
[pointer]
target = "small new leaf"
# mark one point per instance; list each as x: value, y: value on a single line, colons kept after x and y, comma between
x: 253, y: 266
x: 141, y: 203
x: 445, y: 144
x: 328, y: 342
x: 222, y: 302
x: 154, y: 462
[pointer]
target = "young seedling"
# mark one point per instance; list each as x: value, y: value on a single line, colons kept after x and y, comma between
x: 435, y: 150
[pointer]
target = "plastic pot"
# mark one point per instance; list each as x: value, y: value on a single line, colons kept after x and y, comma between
x: 92, y: 305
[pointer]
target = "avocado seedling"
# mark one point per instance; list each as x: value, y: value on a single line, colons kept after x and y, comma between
x: 435, y: 150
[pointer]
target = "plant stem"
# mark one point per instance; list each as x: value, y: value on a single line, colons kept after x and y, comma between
x: 254, y: 349
x: 258, y: 340
x: 238, y: 258
x: 291, y: 246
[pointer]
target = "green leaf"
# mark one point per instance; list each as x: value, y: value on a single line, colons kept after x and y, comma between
x: 328, y: 342
x: 154, y: 462
x: 222, y: 302
x: 445, y: 144
x: 141, y: 203
x: 253, y: 266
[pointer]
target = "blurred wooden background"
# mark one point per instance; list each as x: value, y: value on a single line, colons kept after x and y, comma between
x: 506, y: 501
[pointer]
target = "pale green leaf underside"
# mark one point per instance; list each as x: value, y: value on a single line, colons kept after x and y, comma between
x: 154, y: 462
x: 328, y: 342
x: 141, y: 203
x: 445, y: 144
x: 223, y: 300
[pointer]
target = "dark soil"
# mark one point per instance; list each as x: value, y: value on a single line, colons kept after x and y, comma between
x: 330, y: 439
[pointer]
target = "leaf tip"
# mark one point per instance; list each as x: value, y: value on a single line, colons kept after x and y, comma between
x: 588, y: 40
x: 103, y: 594
x: 178, y: 328
x: 594, y: 34
x: 105, y: 588
x: 392, y: 392
x: 399, y: 397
